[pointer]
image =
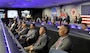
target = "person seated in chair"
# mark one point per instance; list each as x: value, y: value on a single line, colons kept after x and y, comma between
x: 40, y: 43
x: 30, y: 35
x: 23, y: 31
x: 19, y: 25
x: 84, y: 26
x: 63, y: 43
x: 13, y: 26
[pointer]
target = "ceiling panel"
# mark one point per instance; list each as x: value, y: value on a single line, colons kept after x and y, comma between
x: 35, y: 3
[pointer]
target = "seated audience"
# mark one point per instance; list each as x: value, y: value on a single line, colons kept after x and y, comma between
x: 13, y: 26
x: 10, y: 23
x: 33, y: 20
x: 84, y: 26
x: 63, y: 43
x: 24, y: 29
x: 19, y: 28
x: 29, y: 36
x: 40, y: 43
x: 31, y: 33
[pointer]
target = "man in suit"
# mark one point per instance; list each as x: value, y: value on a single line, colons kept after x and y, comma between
x: 63, y: 43
x: 46, y: 18
x: 23, y: 31
x: 67, y: 19
x: 40, y: 43
x: 79, y: 19
x: 19, y: 25
x: 30, y: 35
x: 13, y: 26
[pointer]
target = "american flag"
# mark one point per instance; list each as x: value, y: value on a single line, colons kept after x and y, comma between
x: 86, y: 19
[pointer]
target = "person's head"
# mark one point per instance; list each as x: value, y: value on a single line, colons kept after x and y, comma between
x: 53, y: 21
x: 32, y: 26
x: 78, y: 15
x: 42, y: 30
x: 24, y: 24
x: 15, y: 21
x: 64, y: 30
x: 19, y: 23
x: 84, y: 26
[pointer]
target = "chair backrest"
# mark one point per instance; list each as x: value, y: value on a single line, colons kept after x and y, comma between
x: 48, y: 39
x: 46, y: 48
x: 70, y: 48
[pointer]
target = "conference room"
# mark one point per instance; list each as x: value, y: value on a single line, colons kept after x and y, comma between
x: 45, y: 26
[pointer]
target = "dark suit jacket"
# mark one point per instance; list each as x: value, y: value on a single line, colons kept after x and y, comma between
x: 80, y: 20
x: 39, y: 45
x: 68, y: 19
x: 13, y: 28
x: 31, y: 34
x: 23, y: 31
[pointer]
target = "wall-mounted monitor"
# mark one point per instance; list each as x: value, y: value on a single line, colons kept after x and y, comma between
x: 12, y: 13
x: 2, y: 13
x: 25, y: 14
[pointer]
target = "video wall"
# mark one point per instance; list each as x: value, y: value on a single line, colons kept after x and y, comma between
x: 12, y: 13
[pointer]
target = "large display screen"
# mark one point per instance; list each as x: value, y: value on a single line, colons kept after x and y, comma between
x: 25, y: 13
x: 2, y: 13
x: 12, y: 13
